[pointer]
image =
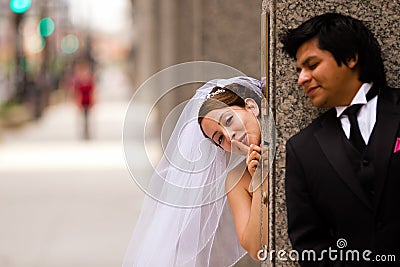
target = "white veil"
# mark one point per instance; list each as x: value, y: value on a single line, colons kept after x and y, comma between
x: 185, y: 218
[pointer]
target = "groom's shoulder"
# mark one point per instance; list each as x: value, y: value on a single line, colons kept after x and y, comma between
x: 306, y: 134
x: 392, y: 94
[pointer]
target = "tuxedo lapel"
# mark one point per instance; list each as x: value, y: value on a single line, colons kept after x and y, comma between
x: 387, y: 126
x: 328, y: 137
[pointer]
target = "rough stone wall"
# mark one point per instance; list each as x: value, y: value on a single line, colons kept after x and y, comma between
x: 292, y: 109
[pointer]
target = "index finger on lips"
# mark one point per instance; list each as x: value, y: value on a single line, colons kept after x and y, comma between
x: 241, y: 148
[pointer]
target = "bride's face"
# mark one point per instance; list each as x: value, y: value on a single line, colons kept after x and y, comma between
x: 232, y: 123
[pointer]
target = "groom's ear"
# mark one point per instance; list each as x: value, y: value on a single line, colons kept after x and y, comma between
x: 252, y: 106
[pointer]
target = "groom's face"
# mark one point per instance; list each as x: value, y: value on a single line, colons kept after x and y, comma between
x: 325, y: 82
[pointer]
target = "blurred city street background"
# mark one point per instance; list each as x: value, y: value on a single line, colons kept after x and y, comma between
x: 65, y: 200
x: 68, y: 69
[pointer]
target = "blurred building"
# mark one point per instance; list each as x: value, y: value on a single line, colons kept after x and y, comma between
x: 177, y: 31
x: 7, y: 50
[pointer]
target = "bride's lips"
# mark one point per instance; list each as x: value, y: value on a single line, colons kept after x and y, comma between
x: 244, y: 140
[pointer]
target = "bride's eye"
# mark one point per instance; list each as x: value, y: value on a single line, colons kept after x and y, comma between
x: 228, y: 120
x: 219, y: 140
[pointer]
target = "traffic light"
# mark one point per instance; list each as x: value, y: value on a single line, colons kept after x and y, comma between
x: 19, y: 6
x: 46, y: 27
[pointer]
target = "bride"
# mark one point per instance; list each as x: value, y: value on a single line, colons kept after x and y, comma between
x: 203, y: 208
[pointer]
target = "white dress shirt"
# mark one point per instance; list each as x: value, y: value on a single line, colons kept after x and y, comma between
x: 366, y: 117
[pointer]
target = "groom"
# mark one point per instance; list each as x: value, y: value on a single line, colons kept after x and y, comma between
x: 343, y: 170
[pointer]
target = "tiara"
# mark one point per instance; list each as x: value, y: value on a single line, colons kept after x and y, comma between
x: 219, y: 91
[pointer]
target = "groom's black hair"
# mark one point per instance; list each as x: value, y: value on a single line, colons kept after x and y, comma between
x: 345, y: 38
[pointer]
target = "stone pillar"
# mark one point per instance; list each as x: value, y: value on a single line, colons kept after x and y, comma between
x: 146, y: 59
x: 292, y: 110
x: 231, y: 34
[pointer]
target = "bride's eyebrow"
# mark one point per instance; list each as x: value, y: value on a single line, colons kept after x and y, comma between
x: 219, y: 122
x: 222, y: 114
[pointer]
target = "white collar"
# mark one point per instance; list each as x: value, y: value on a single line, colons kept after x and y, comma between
x: 359, y: 98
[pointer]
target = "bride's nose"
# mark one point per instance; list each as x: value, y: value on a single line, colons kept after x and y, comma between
x: 231, y: 134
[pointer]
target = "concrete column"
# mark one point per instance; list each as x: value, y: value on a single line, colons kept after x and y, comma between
x: 231, y: 34
x: 147, y: 39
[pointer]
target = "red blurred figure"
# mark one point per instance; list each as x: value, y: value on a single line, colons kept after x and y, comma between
x: 83, y: 90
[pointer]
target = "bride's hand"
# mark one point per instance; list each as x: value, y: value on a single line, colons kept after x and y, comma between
x: 253, y: 158
x: 252, y: 153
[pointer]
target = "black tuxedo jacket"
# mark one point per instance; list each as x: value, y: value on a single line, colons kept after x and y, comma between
x: 325, y: 201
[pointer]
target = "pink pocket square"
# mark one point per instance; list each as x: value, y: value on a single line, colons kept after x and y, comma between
x: 397, y: 146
